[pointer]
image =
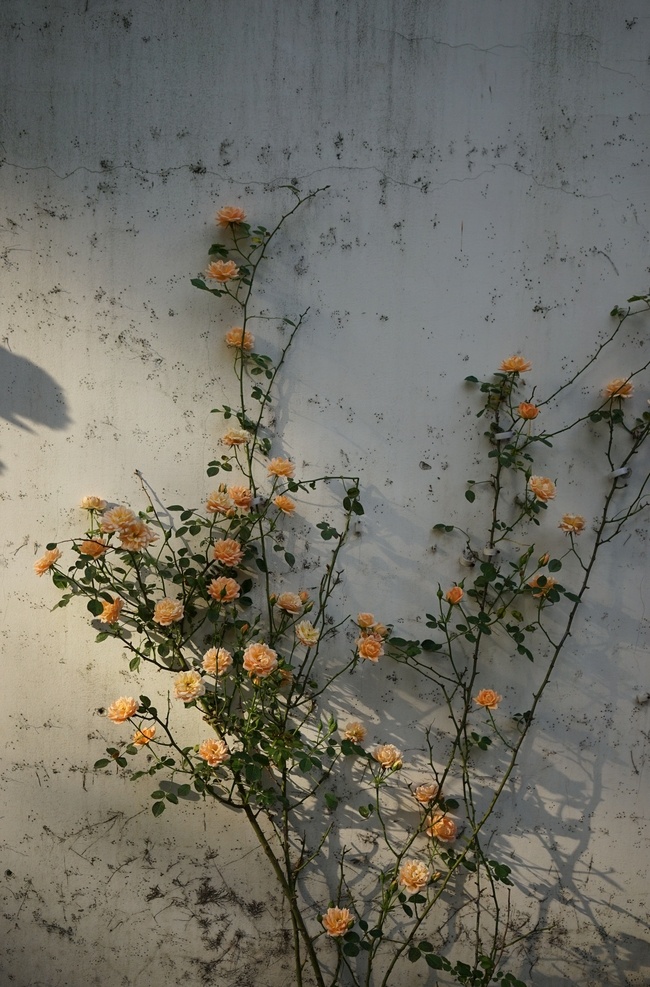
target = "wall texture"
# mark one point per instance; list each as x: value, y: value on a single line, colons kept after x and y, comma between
x: 488, y: 171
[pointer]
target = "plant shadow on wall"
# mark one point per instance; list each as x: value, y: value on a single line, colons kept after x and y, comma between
x: 29, y: 394
x: 388, y: 863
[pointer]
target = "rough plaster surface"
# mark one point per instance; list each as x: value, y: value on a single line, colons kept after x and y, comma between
x: 488, y: 170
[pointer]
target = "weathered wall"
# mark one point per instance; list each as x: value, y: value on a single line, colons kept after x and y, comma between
x: 487, y: 163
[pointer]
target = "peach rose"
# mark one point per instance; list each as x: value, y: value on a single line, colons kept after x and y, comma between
x: 545, y: 588
x: 380, y: 630
x: 219, y: 502
x: 222, y: 271
x: 111, y: 612
x: 168, y: 612
x: 46, y: 561
x: 307, y: 634
x: 136, y: 536
x: 240, y: 338
x: 93, y: 547
x: 260, y: 661
x: 426, y: 793
x: 488, y: 698
x: 413, y: 876
x: 337, y: 921
x: 236, y: 437
x: 142, y: 736
x: 241, y: 497
x: 122, y: 709
x: 117, y: 518
x: 217, y: 662
x: 528, y: 411
x: 388, y: 756
x: 441, y: 827
x: 224, y: 590
x: 544, y: 559
x: 215, y: 752
x: 541, y: 487
x: 284, y: 504
x: 188, y: 686
x: 454, y: 595
x: 370, y: 647
x: 228, y: 552
x: 93, y: 504
x: 289, y: 602
x: 366, y: 620
x: 572, y: 524
x: 354, y: 731
x: 228, y: 215
x: 619, y: 388
x: 280, y: 467
x: 515, y: 365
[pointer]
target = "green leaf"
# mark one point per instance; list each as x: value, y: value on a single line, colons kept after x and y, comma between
x: 134, y: 664
x: 261, y: 565
x: 470, y: 496
x: 103, y: 761
x: 554, y: 565
x: 351, y: 949
x: 158, y: 808
x: 157, y: 795
x: 101, y: 637
x: 414, y: 954
x: 290, y: 559
x: 331, y: 801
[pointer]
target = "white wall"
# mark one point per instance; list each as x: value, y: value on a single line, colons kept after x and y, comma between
x: 487, y: 163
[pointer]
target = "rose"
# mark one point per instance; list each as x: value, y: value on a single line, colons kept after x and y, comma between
x: 136, y: 536
x: 441, y: 827
x: 222, y: 271
x: 289, y: 602
x: 217, y: 662
x: 426, y: 792
x: 620, y: 387
x: 46, y: 561
x: 92, y: 504
x: 260, y: 661
x: 188, y: 686
x: 306, y: 633
x: 337, y: 921
x: 219, y: 502
x: 388, y: 756
x: 228, y: 552
x: 354, y: 731
x: 488, y: 698
x: 454, y: 595
x: 236, y: 437
x: 117, y: 518
x: 168, y: 612
x: 122, y: 709
x: 284, y: 504
x: 572, y: 524
x: 515, y: 365
x: 94, y: 547
x: 366, y: 620
x: 230, y: 215
x: 241, y: 497
x: 111, y: 611
x: 224, y: 590
x: 528, y: 411
x: 544, y: 588
x: 241, y: 338
x: 142, y: 736
x: 541, y: 487
x: 280, y: 467
x: 413, y: 876
x: 370, y: 647
x: 215, y: 752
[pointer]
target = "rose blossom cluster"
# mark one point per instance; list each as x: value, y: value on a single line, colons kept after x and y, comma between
x: 134, y: 534
x: 370, y: 643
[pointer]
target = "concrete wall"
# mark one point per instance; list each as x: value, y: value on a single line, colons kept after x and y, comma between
x: 487, y: 163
